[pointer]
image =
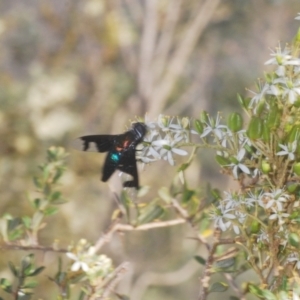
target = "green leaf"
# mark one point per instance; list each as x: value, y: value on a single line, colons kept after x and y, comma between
x: 37, y: 182
x: 55, y: 196
x: 255, y: 290
x: 268, y: 295
x: 222, y: 161
x: 200, y: 260
x: 6, y: 285
x: 13, y: 269
x: 30, y: 285
x: 187, y: 195
x: 226, y: 263
x: 126, y: 201
x: 218, y: 287
x: 26, y: 221
x: 49, y: 211
x: 150, y: 212
x: 36, y: 203
x: 36, y: 271
x: 46, y: 172
x: 58, y: 174
x: 26, y: 263
x: 164, y: 194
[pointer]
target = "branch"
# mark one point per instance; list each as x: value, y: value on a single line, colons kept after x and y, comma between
x: 117, y: 227
x: 166, y: 37
x: 233, y: 285
x: 145, y: 76
x: 115, y: 278
x: 33, y: 247
x: 180, y: 57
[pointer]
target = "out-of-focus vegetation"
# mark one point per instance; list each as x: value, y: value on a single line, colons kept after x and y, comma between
x: 75, y: 67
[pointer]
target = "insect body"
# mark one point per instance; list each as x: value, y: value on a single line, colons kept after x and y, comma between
x: 121, y: 151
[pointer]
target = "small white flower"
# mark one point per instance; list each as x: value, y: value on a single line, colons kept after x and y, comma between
x: 220, y: 214
x: 292, y: 90
x: 238, y: 165
x: 282, y: 59
x: 298, y: 17
x: 168, y: 148
x: 288, y: 150
x: 276, y: 198
x: 253, y: 198
x: 146, y: 151
x: 262, y: 237
x: 78, y: 264
x: 231, y: 201
x: 258, y: 96
x: 213, y: 126
x: 279, y: 216
x: 164, y: 122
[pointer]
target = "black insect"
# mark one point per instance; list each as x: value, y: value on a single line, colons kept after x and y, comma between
x: 121, y: 151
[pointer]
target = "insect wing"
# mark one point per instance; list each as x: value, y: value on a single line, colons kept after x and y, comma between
x: 110, y: 165
x: 98, y: 143
x: 127, y: 165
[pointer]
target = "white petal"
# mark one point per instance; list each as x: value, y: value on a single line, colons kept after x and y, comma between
x: 244, y: 168
x: 179, y: 151
x: 76, y: 266
x: 71, y: 255
x: 282, y: 153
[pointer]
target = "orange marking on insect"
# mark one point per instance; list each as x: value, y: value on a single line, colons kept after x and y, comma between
x: 126, y: 144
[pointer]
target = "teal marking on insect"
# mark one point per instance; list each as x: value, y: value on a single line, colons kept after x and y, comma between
x: 115, y: 157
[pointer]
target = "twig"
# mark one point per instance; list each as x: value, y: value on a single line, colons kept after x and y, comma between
x: 35, y: 247
x: 207, y: 270
x: 184, y: 214
x: 117, y: 275
x: 164, y: 43
x: 125, y: 227
x: 210, y: 260
x: 233, y: 285
x: 181, y: 55
x: 145, y: 74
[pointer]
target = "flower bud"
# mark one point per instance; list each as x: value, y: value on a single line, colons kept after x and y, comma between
x: 260, y: 106
x: 293, y: 134
x: 255, y: 226
x: 199, y: 126
x: 255, y: 128
x: 265, y: 133
x: 296, y: 168
x: 204, y: 117
x: 294, y: 240
x: 185, y: 122
x: 273, y: 118
x: 265, y: 167
x: 235, y: 122
x: 292, y: 187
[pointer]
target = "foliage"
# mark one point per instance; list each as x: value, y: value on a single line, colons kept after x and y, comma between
x: 253, y: 228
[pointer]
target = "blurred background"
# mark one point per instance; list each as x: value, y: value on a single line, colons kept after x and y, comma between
x: 75, y: 67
